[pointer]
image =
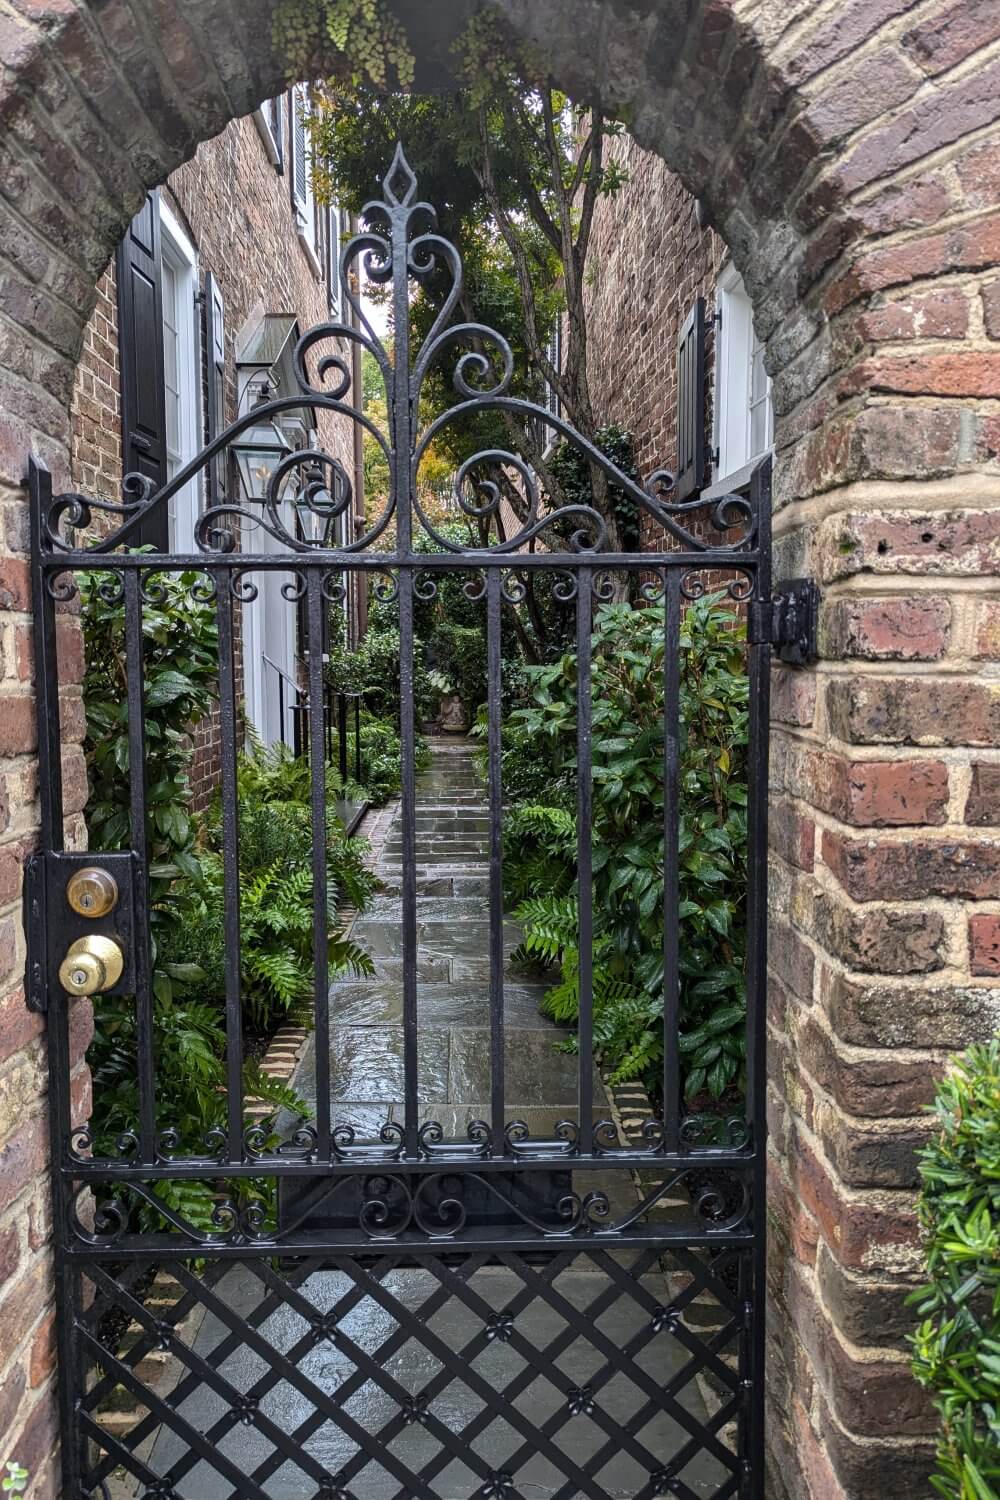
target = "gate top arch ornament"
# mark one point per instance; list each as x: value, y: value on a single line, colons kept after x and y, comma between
x: 400, y: 245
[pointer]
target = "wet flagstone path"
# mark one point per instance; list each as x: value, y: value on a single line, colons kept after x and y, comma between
x: 397, y: 1317
x: 366, y: 1038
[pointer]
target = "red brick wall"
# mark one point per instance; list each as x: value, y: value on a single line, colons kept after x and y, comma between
x: 236, y: 210
x: 649, y: 260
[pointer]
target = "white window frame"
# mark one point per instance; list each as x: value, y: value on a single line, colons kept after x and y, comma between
x: 271, y: 135
x: 178, y: 252
x: 303, y: 198
x: 735, y: 347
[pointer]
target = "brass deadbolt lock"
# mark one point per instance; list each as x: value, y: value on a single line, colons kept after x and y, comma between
x: 93, y: 964
x: 92, y: 892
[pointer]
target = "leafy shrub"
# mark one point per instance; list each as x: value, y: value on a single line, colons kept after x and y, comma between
x: 382, y: 759
x: 276, y: 893
x: 181, y: 659
x: 627, y: 838
x: 572, y: 470
x: 957, y: 1346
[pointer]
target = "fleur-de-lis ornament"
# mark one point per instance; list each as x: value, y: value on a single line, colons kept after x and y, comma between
x: 581, y: 1400
x: 414, y: 1408
x: 244, y: 1408
x: 500, y: 1326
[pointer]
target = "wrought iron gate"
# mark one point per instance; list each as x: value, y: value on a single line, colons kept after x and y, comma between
x: 273, y: 1337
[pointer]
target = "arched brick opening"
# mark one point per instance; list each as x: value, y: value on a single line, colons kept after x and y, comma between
x: 850, y: 156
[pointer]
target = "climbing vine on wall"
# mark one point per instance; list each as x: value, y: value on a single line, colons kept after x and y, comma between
x: 357, y: 38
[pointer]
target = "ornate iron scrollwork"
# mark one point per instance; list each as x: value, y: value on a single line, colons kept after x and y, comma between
x: 398, y: 246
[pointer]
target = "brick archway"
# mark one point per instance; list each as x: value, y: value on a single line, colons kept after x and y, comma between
x: 850, y: 155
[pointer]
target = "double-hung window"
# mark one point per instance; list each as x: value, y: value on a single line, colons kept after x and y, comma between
x: 744, y: 417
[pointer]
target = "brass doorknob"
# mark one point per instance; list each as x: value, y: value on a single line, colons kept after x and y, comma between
x: 92, y: 892
x: 92, y: 964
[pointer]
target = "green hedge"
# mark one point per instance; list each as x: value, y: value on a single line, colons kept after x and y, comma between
x: 957, y: 1345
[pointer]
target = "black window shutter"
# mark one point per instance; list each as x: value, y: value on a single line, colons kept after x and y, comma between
x: 691, y: 402
x: 140, y: 346
x: 297, y: 158
x: 274, y: 113
x: 215, y: 351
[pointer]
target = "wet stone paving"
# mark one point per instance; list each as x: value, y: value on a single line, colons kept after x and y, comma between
x: 380, y: 1365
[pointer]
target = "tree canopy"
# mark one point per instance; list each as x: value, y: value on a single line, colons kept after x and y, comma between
x: 515, y: 172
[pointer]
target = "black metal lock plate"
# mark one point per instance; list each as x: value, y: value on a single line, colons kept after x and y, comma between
x: 52, y: 925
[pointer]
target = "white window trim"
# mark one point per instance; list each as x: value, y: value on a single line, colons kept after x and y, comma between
x: 334, y: 229
x: 178, y: 249
x: 733, y: 361
x: 272, y: 144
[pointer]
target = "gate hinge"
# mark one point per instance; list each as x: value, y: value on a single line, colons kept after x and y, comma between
x: 788, y: 621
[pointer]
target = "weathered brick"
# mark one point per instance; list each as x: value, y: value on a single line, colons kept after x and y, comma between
x: 18, y: 730
x: 886, y: 869
x: 991, y: 309
x: 874, y: 1013
x: 793, y: 696
x: 982, y: 807
x: 883, y: 941
x: 973, y: 372
x: 961, y: 543
x: 984, y: 944
x: 949, y: 37
x: 849, y: 1299
x: 22, y: 1158
x: 915, y: 711
x: 873, y: 1230
x: 987, y: 646
x: 42, y: 1355
x: 890, y: 629
x: 866, y: 1467
x: 884, y: 1085
x: 938, y: 314
x: 865, y: 92
x: 792, y: 835
x: 898, y: 793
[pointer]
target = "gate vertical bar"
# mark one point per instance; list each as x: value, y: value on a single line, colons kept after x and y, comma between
x: 585, y: 582
x: 225, y: 582
x: 135, y: 671
x: 50, y: 793
x: 671, y: 857
x: 758, y: 749
x: 493, y: 690
x: 408, y: 858
x: 315, y: 606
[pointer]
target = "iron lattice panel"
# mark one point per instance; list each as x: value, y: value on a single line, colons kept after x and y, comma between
x: 341, y: 1377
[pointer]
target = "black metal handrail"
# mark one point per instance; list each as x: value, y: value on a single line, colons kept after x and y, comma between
x: 336, y: 715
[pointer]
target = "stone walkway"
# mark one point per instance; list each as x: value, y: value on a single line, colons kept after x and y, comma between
x: 366, y: 1037
x: 398, y: 1317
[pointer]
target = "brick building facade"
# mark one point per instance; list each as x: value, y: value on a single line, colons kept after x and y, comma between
x: 263, y: 251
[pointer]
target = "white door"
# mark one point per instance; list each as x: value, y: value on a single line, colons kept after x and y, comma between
x: 270, y: 667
